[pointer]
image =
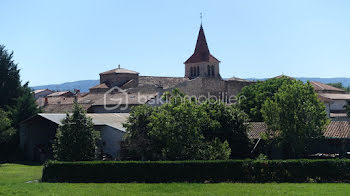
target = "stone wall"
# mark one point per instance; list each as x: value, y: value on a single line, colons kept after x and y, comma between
x: 203, y: 69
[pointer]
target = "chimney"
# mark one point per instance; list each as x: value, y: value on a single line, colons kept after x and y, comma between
x: 119, y: 66
x: 77, y: 93
x: 46, y: 102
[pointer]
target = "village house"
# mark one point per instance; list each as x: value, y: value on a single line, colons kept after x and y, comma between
x: 40, y: 93
x: 334, y: 98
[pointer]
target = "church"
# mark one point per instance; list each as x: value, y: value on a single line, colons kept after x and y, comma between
x: 202, y: 78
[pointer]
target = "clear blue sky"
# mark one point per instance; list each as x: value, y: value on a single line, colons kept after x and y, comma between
x: 66, y: 40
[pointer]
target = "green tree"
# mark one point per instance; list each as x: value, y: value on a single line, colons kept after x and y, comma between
x: 25, y: 106
x: 16, y: 100
x: 295, y: 116
x: 76, y: 139
x: 173, y: 131
x: 10, y: 84
x: 231, y: 125
x: 137, y: 144
x: 340, y: 85
x: 254, y: 96
x: 7, y: 136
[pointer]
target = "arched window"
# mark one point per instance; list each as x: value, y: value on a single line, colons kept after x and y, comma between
x: 208, y: 70
x: 191, y: 71
x: 212, y: 70
x: 197, y: 71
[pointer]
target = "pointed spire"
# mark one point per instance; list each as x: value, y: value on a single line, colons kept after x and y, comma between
x: 201, y: 52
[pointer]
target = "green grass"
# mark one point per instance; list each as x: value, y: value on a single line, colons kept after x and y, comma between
x: 13, y: 178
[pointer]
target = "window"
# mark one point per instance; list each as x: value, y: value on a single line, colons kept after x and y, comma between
x: 198, y: 71
x: 194, y: 71
x: 191, y: 71
x: 212, y: 70
x: 208, y: 70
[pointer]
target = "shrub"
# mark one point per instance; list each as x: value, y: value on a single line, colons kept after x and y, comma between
x: 76, y: 139
x: 199, y: 171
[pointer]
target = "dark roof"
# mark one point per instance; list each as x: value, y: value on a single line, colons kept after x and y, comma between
x: 119, y: 70
x: 201, y: 52
x: 336, y: 129
x: 318, y: 86
x: 62, y: 108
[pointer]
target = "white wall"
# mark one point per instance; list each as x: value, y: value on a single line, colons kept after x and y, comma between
x: 338, y: 105
x: 111, y: 139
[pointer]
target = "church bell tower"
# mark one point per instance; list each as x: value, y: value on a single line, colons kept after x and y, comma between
x: 202, y: 63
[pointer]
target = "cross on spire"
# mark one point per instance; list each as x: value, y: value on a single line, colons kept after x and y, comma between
x: 201, y: 17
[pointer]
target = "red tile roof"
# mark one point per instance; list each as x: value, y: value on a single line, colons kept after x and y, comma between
x: 336, y: 129
x: 201, y: 52
x: 318, y: 86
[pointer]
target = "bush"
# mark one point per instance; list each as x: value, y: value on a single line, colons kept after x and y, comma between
x: 76, y: 139
x: 199, y: 171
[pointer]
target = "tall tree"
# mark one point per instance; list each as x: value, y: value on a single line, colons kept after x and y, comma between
x: 76, y: 139
x: 15, y: 99
x: 7, y: 136
x: 295, y: 116
x: 10, y: 84
x: 25, y: 106
x: 254, y: 96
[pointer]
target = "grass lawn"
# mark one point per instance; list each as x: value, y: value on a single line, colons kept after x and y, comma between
x: 13, y: 178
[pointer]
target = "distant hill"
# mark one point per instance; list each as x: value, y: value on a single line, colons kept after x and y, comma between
x: 82, y: 85
x: 85, y: 85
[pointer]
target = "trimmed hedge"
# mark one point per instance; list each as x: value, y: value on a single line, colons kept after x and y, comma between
x: 199, y: 171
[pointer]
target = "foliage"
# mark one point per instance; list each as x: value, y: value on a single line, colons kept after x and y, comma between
x: 76, y: 139
x: 8, y: 139
x: 254, y: 96
x: 25, y: 106
x: 294, y: 117
x: 10, y: 84
x: 16, y: 100
x: 13, y: 176
x: 347, y: 108
x: 183, y: 129
x: 230, y: 124
x: 199, y: 171
x: 137, y: 144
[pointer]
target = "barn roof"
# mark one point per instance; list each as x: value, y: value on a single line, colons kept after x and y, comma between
x: 114, y: 120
